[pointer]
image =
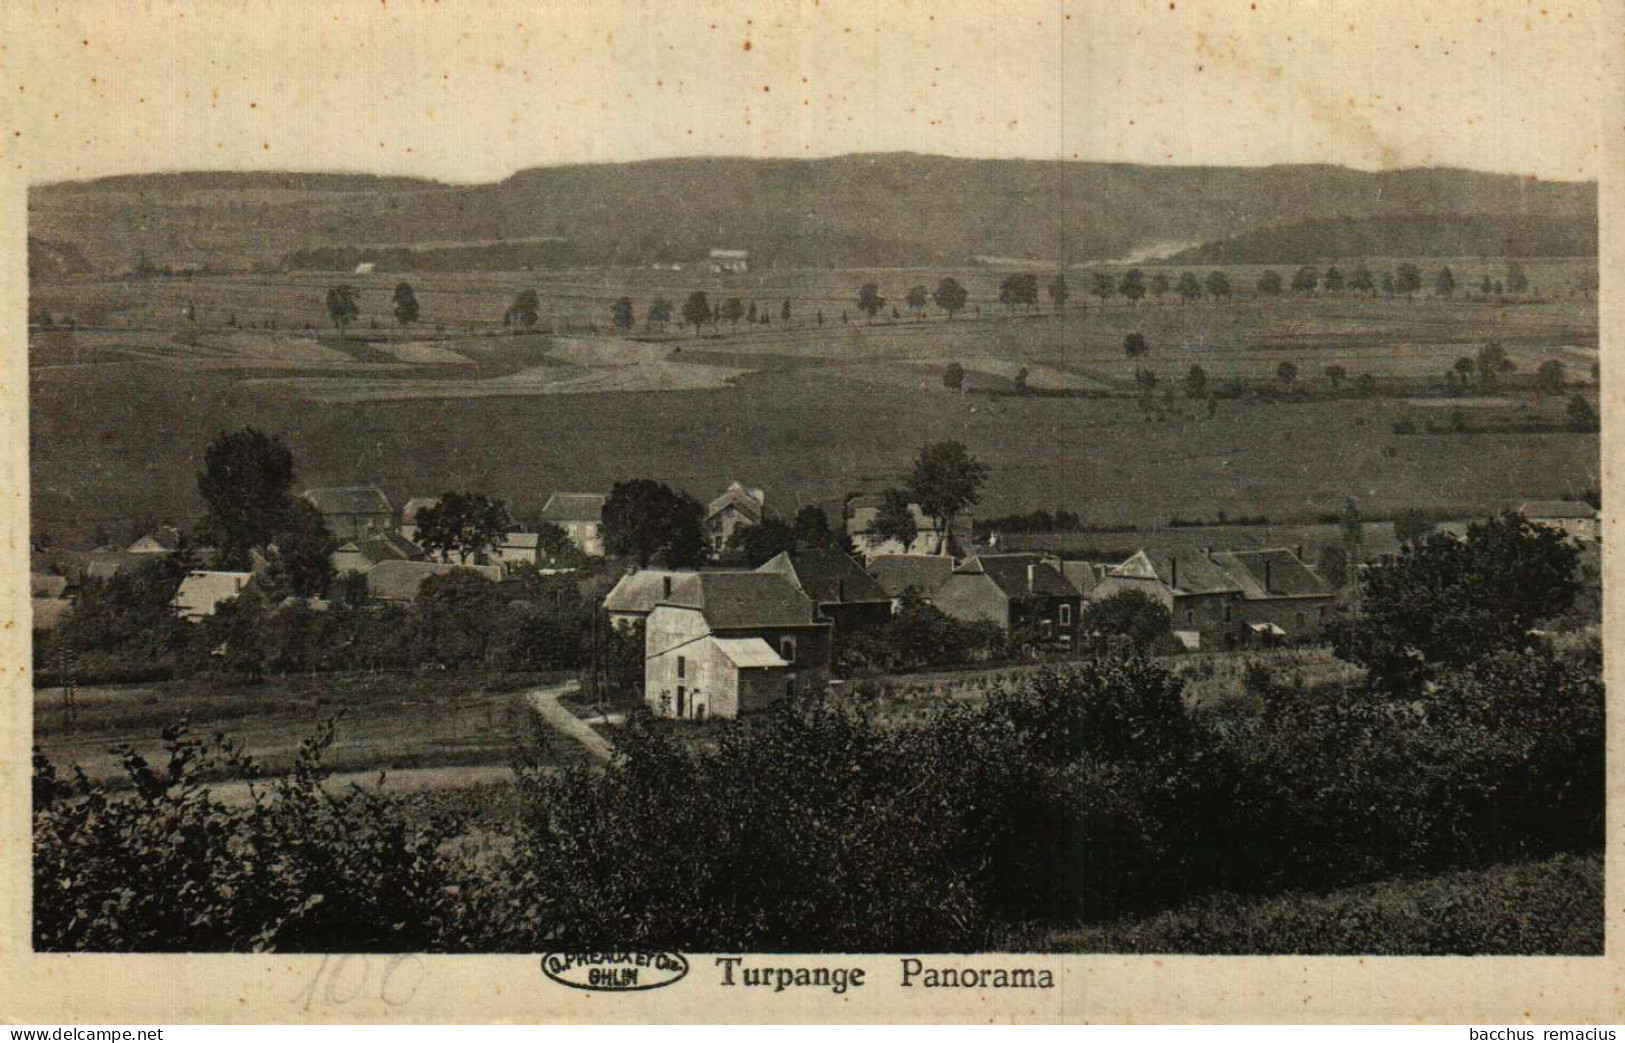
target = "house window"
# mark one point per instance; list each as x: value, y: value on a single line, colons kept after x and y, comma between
x: 1066, y: 615
x: 682, y: 666
x: 787, y: 649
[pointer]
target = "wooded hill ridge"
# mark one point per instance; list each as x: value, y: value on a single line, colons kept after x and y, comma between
x: 891, y: 209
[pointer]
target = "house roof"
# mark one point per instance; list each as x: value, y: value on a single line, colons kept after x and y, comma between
x: 1285, y: 573
x: 749, y: 501
x: 739, y: 600
x: 1195, y: 573
x: 896, y: 573
x: 388, y: 546
x: 639, y: 592
x: 348, y: 499
x: 105, y: 564
x: 1083, y: 574
x: 827, y: 576
x: 1557, y: 509
x: 576, y: 507
x: 409, y: 513
x: 165, y: 537
x: 400, y: 580
x: 521, y: 540
x: 748, y: 652
x: 1019, y: 576
x: 201, y: 591
x: 46, y: 585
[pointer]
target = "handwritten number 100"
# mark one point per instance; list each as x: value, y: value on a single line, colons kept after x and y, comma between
x: 347, y: 977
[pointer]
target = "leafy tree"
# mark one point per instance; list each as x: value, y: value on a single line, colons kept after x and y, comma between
x: 1334, y: 279
x: 945, y: 480
x: 1362, y: 281
x: 525, y: 310
x: 894, y: 518
x: 1408, y: 280
x: 1059, y: 291
x: 1286, y: 373
x: 784, y: 311
x: 1305, y: 280
x: 1131, y: 614
x: 1196, y: 382
x: 644, y: 519
x: 950, y: 296
x: 1019, y: 288
x: 1493, y: 364
x: 622, y: 315
x: 697, y: 310
x: 1135, y: 346
x: 812, y: 529
x: 869, y: 300
x: 1269, y: 283
x: 406, y: 304
x: 953, y: 377
x: 300, y: 552
x: 246, y: 485
x: 917, y: 299
x: 1486, y: 286
x: 1190, y: 287
x: 469, y: 525
x: 1218, y: 284
x: 659, y: 313
x: 554, y: 546
x: 1412, y: 524
x: 1444, y: 284
x: 753, y: 545
x: 1517, y: 278
x: 1336, y: 374
x: 1388, y: 284
x: 1021, y: 380
x: 1160, y: 284
x: 1132, y: 285
x: 732, y: 310
x: 1582, y: 417
x: 1102, y: 285
x: 342, y: 307
x: 750, y: 314
x: 1550, y: 376
x: 1464, y: 368
x: 1445, y: 602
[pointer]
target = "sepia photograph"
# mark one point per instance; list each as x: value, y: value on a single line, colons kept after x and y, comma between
x: 953, y: 483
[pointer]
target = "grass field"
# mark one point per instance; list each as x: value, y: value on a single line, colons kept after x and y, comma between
x: 120, y: 415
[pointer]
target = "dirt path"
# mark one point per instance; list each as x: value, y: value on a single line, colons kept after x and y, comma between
x: 546, y: 702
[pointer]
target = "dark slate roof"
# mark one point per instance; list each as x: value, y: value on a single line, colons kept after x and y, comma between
x: 1287, y: 575
x: 1083, y: 574
x: 1010, y: 572
x: 827, y: 576
x: 897, y: 573
x: 1557, y: 509
x: 742, y: 600
x: 576, y: 507
x: 640, y: 591
x: 349, y: 499
x: 749, y: 502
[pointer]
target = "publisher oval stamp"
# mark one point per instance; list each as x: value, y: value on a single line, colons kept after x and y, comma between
x: 615, y: 971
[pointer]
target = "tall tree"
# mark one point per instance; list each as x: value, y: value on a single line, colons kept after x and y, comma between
x: 950, y: 296
x: 622, y: 315
x: 1305, y: 280
x: 1218, y: 285
x: 1059, y: 291
x: 1286, y: 373
x: 953, y: 377
x: 784, y: 312
x: 1102, y: 285
x: 1362, y: 281
x: 1334, y: 279
x: 524, y: 311
x: 916, y: 299
x: 659, y: 313
x: 697, y: 310
x: 246, y: 485
x: 1190, y: 287
x: 1408, y: 280
x: 1517, y: 278
x: 894, y: 519
x: 469, y: 525
x: 1134, y: 345
x: 406, y: 304
x: 812, y: 529
x: 645, y: 519
x: 1550, y: 376
x: 1445, y: 283
x: 869, y: 300
x: 342, y: 307
x: 1132, y: 285
x: 1196, y: 382
x: 1160, y: 285
x: 1336, y: 374
x: 733, y: 310
x: 946, y: 479
x: 300, y: 551
x: 1269, y: 283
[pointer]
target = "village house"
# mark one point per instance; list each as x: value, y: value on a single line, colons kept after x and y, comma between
x: 730, y: 643
x: 729, y: 260
x: 203, y: 591
x: 1281, y: 597
x: 166, y: 539
x: 845, y: 595
x: 517, y: 549
x: 352, y: 512
x: 737, y: 508
x: 361, y: 555
x: 581, y: 516
x: 1012, y: 591
x: 928, y: 535
x: 917, y: 574
x: 636, y: 594
x: 1581, y: 521
x: 399, y: 581
x: 410, y: 512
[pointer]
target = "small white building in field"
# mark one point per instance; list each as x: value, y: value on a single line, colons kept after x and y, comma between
x: 366, y: 268
x: 730, y: 260
x: 203, y: 591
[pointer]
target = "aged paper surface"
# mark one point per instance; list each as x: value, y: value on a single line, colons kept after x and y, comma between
x: 468, y: 94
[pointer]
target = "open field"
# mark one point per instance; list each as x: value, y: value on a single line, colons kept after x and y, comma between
x: 120, y: 415
x: 386, y: 722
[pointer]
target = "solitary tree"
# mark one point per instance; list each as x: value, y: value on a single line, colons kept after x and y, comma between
x: 645, y: 520
x: 811, y: 529
x: 917, y: 299
x: 1160, y: 285
x: 1190, y: 287
x: 1218, y: 284
x: 1362, y: 281
x: 1196, y: 382
x: 342, y: 307
x: 1445, y: 284
x: 953, y: 377
x: 869, y: 300
x: 697, y: 310
x: 1269, y: 283
x: 524, y: 311
x: 894, y: 519
x: 1517, y: 278
x: 1334, y: 280
x: 1493, y: 364
x: 621, y: 314
x: 659, y: 313
x: 950, y: 296
x: 406, y: 304
x: 784, y: 311
x: 733, y: 309
x: 1286, y: 373
x: 1464, y: 368
x: 1305, y: 280
x: 1486, y: 286
x: 1336, y: 374
x: 1102, y: 285
x: 1133, y: 285
x: 1134, y: 345
x: 1408, y: 280
x: 246, y: 485
x: 469, y: 525
x: 1059, y: 291
x: 946, y: 479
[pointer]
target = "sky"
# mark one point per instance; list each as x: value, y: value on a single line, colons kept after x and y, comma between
x: 472, y: 92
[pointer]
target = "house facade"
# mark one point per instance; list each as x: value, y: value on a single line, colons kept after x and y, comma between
x: 352, y: 512
x: 203, y: 591
x: 729, y: 643
x: 1013, y: 591
x: 929, y: 538
x: 729, y: 260
x: 738, y: 507
x: 581, y: 516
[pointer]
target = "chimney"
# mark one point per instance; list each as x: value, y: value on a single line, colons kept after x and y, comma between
x: 665, y: 581
x: 1173, y: 573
